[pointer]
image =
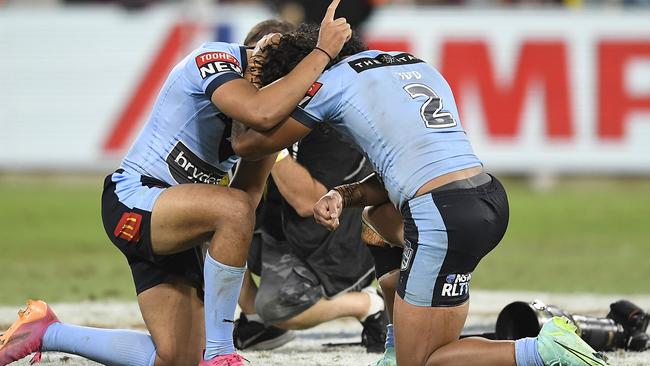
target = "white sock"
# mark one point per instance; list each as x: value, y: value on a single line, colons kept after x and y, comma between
x: 254, y: 318
x: 376, y: 302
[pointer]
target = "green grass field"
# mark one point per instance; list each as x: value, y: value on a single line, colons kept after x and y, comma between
x: 582, y: 236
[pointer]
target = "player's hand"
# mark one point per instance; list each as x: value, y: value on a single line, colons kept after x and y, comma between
x: 258, y: 58
x: 333, y: 33
x: 328, y: 210
x: 270, y: 39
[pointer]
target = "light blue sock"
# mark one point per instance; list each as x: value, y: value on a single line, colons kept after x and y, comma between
x: 390, y: 338
x: 222, y: 286
x: 526, y: 353
x: 113, y: 347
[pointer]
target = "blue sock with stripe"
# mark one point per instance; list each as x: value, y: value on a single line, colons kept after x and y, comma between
x: 115, y: 347
x: 222, y: 286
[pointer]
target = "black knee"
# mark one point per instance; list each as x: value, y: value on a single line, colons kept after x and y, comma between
x: 274, y: 312
x: 269, y: 308
x: 282, y: 303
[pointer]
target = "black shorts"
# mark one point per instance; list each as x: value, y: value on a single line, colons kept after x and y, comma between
x: 447, y: 232
x: 387, y: 259
x: 127, y: 201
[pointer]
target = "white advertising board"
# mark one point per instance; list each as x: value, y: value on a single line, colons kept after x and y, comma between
x: 552, y: 90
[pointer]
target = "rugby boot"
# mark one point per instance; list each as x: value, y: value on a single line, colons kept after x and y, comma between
x: 559, y: 345
x: 253, y: 335
x: 25, y: 336
x: 232, y: 359
x: 387, y: 359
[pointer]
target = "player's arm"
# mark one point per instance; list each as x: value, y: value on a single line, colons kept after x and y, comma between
x: 251, y: 177
x: 253, y: 144
x: 264, y: 108
x: 368, y: 192
x: 298, y: 187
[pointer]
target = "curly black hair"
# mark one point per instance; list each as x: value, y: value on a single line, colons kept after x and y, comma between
x: 294, y: 46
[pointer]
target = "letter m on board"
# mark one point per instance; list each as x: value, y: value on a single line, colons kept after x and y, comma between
x: 540, y: 64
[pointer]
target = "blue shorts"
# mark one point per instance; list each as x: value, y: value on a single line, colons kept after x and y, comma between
x: 447, y: 232
x: 127, y: 202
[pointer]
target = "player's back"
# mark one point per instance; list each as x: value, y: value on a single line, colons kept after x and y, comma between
x: 402, y: 114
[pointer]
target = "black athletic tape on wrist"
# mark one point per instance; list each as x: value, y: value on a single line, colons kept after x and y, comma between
x: 325, y: 52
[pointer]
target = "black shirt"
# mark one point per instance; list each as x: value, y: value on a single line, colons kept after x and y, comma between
x: 338, y: 258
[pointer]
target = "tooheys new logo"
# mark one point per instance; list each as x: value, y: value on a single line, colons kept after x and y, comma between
x: 211, y: 63
x: 186, y: 167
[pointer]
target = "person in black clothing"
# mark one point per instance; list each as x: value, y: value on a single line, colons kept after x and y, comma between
x: 308, y: 274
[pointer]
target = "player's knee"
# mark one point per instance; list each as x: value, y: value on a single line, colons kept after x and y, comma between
x: 274, y: 312
x: 238, y: 214
x: 266, y: 307
x: 440, y: 359
x: 283, y: 310
x: 241, y: 207
x: 388, y: 281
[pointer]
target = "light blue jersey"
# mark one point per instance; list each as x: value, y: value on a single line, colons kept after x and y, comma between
x: 185, y: 139
x: 400, y: 111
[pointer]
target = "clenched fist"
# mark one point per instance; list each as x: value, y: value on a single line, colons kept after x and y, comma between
x: 328, y: 209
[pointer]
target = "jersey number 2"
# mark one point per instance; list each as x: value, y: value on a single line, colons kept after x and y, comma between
x: 431, y: 109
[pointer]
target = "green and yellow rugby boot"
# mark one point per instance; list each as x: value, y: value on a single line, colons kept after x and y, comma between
x: 387, y: 359
x: 559, y: 345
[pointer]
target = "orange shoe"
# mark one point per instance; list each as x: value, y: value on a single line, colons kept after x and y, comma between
x: 25, y: 336
x: 232, y: 359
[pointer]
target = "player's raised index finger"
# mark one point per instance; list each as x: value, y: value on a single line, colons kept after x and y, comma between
x: 329, y: 14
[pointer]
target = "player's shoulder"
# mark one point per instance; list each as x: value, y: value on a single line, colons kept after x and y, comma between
x: 346, y: 63
x: 341, y: 71
x: 233, y: 48
x: 372, y: 59
x: 212, y: 58
x: 219, y: 52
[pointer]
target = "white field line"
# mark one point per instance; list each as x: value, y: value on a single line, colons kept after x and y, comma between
x: 308, y: 349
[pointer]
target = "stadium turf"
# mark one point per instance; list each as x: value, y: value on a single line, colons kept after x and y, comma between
x: 582, y: 236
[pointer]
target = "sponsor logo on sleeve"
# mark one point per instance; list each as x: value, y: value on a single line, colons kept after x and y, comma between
x: 368, y: 63
x: 211, y: 63
x: 187, y: 167
x: 456, y: 285
x: 313, y: 89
